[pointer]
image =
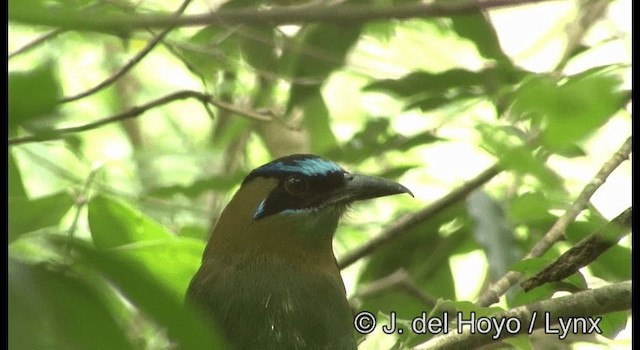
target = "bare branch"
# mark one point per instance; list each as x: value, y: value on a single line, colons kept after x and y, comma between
x: 556, y: 232
x: 587, y: 304
x: 404, y: 223
x: 341, y: 14
x: 131, y: 63
x: 36, y: 42
x: 139, y: 110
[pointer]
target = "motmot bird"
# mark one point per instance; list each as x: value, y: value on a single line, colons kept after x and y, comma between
x: 269, y: 278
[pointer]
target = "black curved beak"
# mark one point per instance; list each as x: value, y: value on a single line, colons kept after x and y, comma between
x: 361, y: 187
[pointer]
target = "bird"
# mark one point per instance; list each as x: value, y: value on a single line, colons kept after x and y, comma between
x: 269, y: 278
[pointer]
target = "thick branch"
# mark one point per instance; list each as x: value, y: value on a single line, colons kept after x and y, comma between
x: 341, y: 14
x: 137, y: 111
x: 556, y: 232
x: 587, y: 304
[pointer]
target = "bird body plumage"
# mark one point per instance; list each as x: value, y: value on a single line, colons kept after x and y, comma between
x: 269, y: 278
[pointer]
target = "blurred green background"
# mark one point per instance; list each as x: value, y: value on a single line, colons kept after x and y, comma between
x: 112, y: 195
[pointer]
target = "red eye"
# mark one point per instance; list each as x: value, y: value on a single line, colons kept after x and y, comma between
x: 296, y: 185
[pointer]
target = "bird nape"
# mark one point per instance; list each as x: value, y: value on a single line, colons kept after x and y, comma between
x: 269, y: 279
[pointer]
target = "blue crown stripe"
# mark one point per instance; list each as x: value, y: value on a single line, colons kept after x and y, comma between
x: 307, y: 166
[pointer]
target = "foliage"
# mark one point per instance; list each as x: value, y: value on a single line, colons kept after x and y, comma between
x: 112, y: 192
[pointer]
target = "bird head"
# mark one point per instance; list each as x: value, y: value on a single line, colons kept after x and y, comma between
x: 297, y: 199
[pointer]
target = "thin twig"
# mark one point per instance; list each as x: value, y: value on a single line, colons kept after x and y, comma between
x: 586, y: 305
x: 137, y: 111
x: 404, y: 223
x: 81, y: 201
x: 36, y: 42
x: 399, y: 280
x: 556, y: 232
x: 131, y: 63
x: 340, y: 14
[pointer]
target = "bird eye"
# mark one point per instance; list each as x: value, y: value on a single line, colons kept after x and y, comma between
x: 296, y: 185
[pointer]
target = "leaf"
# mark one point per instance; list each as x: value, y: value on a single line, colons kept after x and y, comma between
x: 199, y: 187
x: 139, y: 287
x: 521, y: 342
x: 316, y: 119
x: 28, y: 215
x: 529, y: 207
x: 614, y: 265
x: 172, y: 263
x: 33, y: 95
x: 493, y: 232
x: 435, y: 84
x: 613, y: 323
x: 258, y: 47
x: 54, y: 310
x: 537, y: 294
x: 317, y: 50
x: 209, y: 50
x: 421, y: 82
x: 376, y: 138
x: 531, y: 266
x: 518, y: 156
x: 114, y: 223
x: 479, y: 30
x: 572, y: 110
x: 16, y: 188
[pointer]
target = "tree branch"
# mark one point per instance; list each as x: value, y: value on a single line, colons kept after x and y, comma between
x: 341, y: 14
x: 131, y: 63
x: 137, y: 111
x: 404, y: 223
x: 586, y: 251
x: 586, y: 304
x: 556, y: 232
x: 36, y: 42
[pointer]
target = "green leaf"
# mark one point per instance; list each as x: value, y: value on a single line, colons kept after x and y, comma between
x: 520, y: 342
x: 573, y: 109
x: 426, y: 83
x: 536, y: 294
x: 114, y: 223
x: 479, y: 30
x: 27, y: 215
x: 33, y: 95
x: 531, y: 266
x: 172, y: 263
x: 316, y: 119
x: 516, y: 156
x: 16, y: 188
x: 139, y: 287
x: 570, y: 151
x: 258, y: 47
x: 209, y: 50
x: 614, y: 265
x: 377, y: 138
x: 530, y: 207
x: 613, y: 323
x: 317, y: 50
x: 493, y: 232
x: 578, y: 281
x: 198, y: 187
x: 55, y: 310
